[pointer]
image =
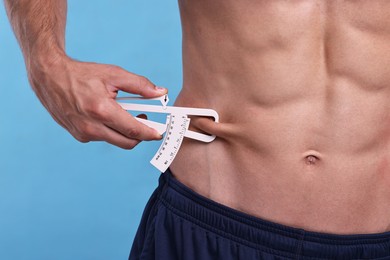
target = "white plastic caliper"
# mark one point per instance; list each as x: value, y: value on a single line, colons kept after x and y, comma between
x: 175, y: 128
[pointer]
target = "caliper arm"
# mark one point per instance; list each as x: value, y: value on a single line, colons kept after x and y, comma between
x: 176, y: 126
x: 161, y: 128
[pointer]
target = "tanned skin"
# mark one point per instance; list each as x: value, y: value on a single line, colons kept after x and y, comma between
x: 79, y: 95
x: 302, y: 88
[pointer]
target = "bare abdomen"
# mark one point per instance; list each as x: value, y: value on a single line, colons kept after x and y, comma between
x: 304, y: 138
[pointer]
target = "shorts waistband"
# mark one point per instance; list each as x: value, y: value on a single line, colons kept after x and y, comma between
x: 262, y: 234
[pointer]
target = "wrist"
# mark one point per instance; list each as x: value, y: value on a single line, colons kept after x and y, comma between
x: 43, y: 60
x: 43, y: 68
x: 44, y: 56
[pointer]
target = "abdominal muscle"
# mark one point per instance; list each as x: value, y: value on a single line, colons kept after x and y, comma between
x: 304, y: 132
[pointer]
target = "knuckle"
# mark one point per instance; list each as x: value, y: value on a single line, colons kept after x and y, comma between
x: 133, y: 132
x: 81, y: 138
x: 91, y: 132
x: 86, y: 133
x: 114, y: 69
x: 143, y: 83
x: 130, y: 145
x: 102, y: 109
x: 97, y: 109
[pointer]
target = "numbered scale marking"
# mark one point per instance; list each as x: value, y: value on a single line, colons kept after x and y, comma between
x: 177, y: 127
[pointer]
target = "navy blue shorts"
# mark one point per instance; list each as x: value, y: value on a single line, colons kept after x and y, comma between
x: 180, y: 224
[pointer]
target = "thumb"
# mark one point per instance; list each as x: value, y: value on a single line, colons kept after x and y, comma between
x: 133, y: 83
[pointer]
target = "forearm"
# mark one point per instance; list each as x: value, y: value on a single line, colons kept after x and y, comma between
x: 79, y: 95
x: 39, y: 26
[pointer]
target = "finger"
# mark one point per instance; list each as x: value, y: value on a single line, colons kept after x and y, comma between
x: 121, y: 121
x: 135, y: 84
x: 111, y: 136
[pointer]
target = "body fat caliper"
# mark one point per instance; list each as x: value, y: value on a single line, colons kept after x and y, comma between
x: 175, y: 128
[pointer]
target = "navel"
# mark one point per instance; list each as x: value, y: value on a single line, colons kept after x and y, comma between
x: 311, y: 159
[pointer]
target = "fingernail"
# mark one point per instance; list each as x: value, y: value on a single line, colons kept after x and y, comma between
x: 157, y: 134
x: 160, y: 88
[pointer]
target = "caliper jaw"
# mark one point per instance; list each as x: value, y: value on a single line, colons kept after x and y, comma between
x: 176, y: 126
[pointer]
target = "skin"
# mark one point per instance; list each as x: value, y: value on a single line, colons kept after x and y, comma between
x: 303, y: 93
x: 80, y: 96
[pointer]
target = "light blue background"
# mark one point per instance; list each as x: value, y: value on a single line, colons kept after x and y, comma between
x: 60, y: 199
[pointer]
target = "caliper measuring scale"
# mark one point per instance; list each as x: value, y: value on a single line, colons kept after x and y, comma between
x: 175, y: 128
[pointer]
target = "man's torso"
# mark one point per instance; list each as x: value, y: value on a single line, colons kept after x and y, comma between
x: 303, y: 93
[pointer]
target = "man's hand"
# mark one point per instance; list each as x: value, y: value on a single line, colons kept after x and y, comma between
x: 80, y: 96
